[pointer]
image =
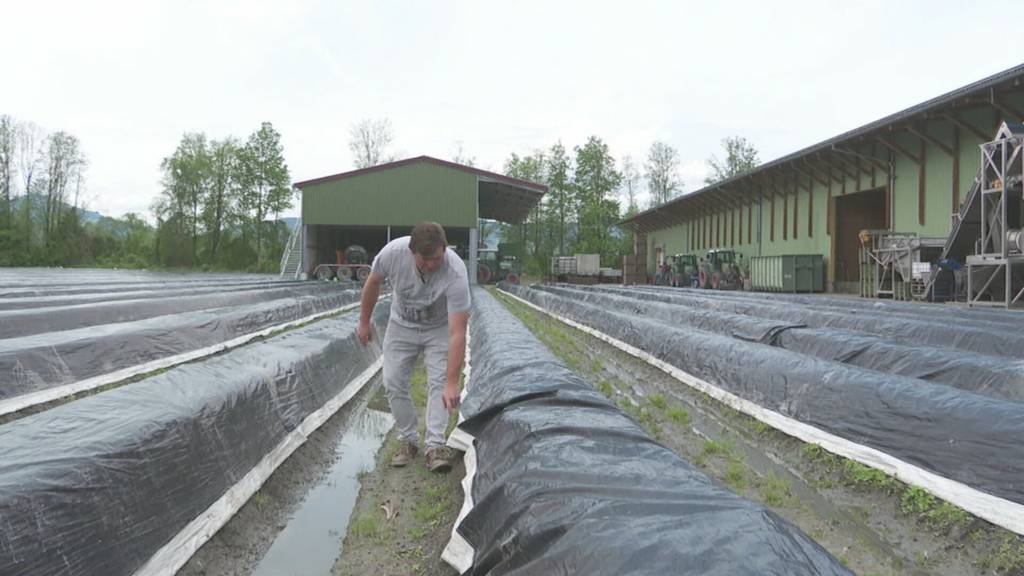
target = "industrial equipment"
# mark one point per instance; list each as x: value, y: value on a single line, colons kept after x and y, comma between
x: 721, y: 270
x: 501, y: 264
x: 995, y: 272
x: 897, y: 265
x: 684, y: 270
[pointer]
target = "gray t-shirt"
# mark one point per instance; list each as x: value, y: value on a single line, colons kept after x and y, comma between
x: 422, y: 301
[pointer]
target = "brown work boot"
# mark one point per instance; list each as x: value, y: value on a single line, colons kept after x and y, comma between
x: 439, y: 459
x: 406, y: 452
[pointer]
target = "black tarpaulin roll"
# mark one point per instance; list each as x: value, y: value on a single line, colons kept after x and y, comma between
x: 27, y: 321
x: 990, y: 375
x: 565, y: 483
x: 940, y: 326
x: 956, y: 434
x: 98, y: 485
x: 43, y: 361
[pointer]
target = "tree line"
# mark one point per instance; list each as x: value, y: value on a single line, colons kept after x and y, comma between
x: 220, y: 199
x: 213, y: 210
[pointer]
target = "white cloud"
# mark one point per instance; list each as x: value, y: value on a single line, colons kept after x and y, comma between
x: 129, y: 78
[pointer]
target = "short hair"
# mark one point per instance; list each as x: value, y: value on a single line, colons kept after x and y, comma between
x: 426, y: 238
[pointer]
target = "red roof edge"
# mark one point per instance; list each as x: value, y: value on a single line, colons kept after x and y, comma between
x: 380, y: 167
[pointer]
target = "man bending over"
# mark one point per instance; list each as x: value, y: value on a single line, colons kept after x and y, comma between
x: 429, y: 313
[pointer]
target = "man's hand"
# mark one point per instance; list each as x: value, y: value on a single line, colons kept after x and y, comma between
x: 363, y: 333
x: 451, y: 396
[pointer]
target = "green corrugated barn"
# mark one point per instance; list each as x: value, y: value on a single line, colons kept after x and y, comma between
x: 907, y: 172
x: 369, y: 207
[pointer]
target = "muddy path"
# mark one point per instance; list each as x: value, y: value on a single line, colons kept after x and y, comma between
x: 871, y: 522
x: 294, y: 525
x: 404, y: 516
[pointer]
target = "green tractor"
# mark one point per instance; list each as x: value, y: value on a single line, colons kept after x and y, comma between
x: 684, y: 270
x: 503, y: 263
x: 721, y: 270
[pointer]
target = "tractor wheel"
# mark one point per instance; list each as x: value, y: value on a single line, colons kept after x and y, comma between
x: 344, y: 273
x: 362, y: 273
x: 717, y: 282
x: 702, y: 277
x: 324, y: 273
x: 512, y: 278
x: 483, y: 274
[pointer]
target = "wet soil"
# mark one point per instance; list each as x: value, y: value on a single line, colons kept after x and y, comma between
x: 295, y: 523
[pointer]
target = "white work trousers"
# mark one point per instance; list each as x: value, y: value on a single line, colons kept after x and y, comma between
x: 402, y: 346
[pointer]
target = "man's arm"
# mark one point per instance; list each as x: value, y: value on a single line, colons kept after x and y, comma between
x: 456, y: 354
x: 371, y: 291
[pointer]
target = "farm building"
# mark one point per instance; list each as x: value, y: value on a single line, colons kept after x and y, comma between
x: 369, y: 207
x: 908, y: 172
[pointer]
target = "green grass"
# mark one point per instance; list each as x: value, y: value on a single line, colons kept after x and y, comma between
x: 736, y: 476
x: 776, y: 491
x: 365, y: 526
x: 606, y: 388
x: 1008, y: 558
x: 418, y: 385
x: 678, y: 414
x: 865, y: 478
x: 936, y: 513
x: 658, y: 401
x: 722, y: 448
x: 430, y: 508
x: 260, y: 499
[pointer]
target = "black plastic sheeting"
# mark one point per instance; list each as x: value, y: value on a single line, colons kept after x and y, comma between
x: 24, y: 322
x: 568, y: 484
x: 852, y: 304
x: 933, y: 325
x: 990, y: 375
x: 961, y: 435
x: 133, y: 292
x: 43, y: 361
x: 18, y: 282
x: 98, y: 485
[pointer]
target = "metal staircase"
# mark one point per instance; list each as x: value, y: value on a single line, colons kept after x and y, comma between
x: 291, y: 259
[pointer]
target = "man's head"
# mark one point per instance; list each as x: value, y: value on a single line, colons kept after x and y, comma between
x: 428, y: 243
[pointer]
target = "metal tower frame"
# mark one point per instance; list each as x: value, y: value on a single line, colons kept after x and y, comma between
x: 997, y: 265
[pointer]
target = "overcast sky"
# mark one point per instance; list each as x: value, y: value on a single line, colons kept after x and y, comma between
x: 129, y: 78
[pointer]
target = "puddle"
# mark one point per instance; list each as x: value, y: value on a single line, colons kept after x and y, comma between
x: 311, y: 541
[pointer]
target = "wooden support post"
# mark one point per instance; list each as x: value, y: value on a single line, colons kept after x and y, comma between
x: 921, y: 185
x: 810, y: 209
x: 956, y: 169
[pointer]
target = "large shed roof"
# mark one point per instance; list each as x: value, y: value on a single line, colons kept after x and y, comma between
x: 984, y: 92
x: 501, y: 197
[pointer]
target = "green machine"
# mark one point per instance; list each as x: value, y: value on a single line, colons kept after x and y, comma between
x: 684, y: 270
x: 721, y: 270
x: 494, y: 265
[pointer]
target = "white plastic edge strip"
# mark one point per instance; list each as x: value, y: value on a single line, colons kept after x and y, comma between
x: 999, y: 511
x: 43, y: 396
x: 459, y: 553
x: 173, y: 555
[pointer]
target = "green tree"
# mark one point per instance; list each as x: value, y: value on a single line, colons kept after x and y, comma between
x: 740, y: 157
x: 595, y: 183
x: 8, y: 139
x: 64, y: 162
x: 265, y: 183
x: 219, y: 208
x: 186, y: 184
x: 662, y: 173
x: 529, y: 234
x: 562, y: 204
